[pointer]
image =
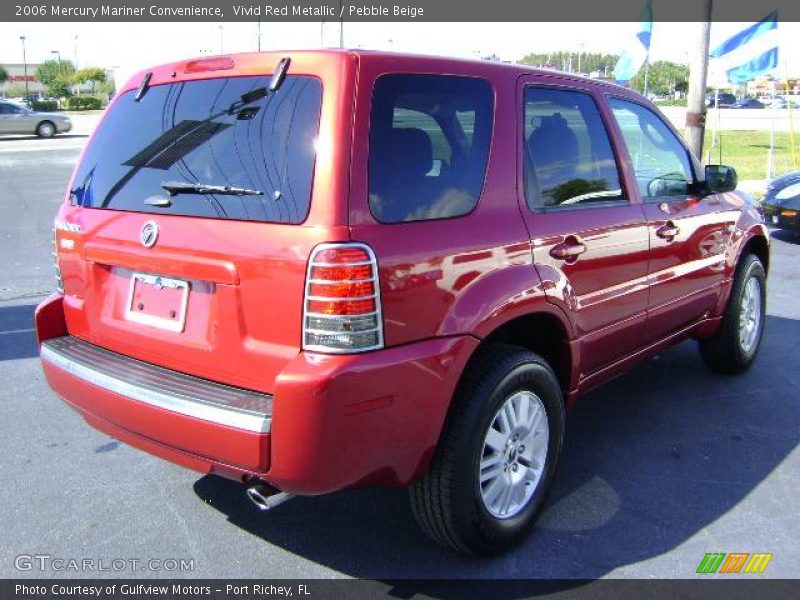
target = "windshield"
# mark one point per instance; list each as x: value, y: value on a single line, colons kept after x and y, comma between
x: 214, y: 133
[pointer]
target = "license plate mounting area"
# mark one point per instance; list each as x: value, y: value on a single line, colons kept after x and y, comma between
x: 158, y: 301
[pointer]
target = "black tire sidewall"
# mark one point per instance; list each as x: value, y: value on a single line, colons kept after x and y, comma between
x: 490, y: 533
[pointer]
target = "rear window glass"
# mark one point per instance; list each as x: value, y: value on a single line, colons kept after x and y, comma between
x: 429, y: 144
x: 217, y: 132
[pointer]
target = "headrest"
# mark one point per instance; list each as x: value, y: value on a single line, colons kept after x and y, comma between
x: 553, y: 144
x: 412, y: 151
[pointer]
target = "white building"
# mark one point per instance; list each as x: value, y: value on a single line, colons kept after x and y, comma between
x: 16, y: 77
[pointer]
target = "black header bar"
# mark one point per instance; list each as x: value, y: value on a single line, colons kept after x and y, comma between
x: 598, y: 11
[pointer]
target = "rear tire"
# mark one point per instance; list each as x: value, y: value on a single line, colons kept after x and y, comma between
x: 46, y: 129
x: 485, y: 487
x: 735, y: 345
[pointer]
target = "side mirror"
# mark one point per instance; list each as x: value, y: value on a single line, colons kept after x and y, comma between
x: 721, y: 178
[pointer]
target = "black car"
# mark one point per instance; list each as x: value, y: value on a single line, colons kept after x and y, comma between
x: 747, y: 103
x: 725, y: 100
x: 782, y: 202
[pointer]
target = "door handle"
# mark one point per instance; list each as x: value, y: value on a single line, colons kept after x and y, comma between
x: 568, y: 250
x: 668, y: 231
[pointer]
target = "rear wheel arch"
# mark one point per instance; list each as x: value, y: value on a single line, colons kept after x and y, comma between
x: 543, y: 333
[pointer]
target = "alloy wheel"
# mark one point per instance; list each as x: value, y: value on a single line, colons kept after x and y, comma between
x: 514, y: 455
x: 750, y: 315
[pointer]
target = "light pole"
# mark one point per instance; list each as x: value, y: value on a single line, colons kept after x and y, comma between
x: 698, y: 71
x: 341, y: 25
x: 75, y: 40
x: 24, y: 66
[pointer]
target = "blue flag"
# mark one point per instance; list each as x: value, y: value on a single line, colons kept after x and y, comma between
x: 636, y: 54
x: 751, y: 52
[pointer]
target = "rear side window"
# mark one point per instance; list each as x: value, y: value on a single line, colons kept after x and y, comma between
x: 660, y: 161
x: 568, y: 160
x: 9, y: 109
x: 428, y: 146
x: 217, y: 132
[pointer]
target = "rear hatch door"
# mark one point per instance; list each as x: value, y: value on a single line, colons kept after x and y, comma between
x: 189, y: 222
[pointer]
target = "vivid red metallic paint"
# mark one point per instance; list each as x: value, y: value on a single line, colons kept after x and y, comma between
x: 375, y: 418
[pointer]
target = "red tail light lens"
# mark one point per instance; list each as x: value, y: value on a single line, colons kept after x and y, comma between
x: 342, y: 290
x: 343, y: 254
x: 342, y: 273
x: 342, y: 304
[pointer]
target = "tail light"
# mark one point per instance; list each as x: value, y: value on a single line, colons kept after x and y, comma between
x: 342, y: 307
x: 59, y: 280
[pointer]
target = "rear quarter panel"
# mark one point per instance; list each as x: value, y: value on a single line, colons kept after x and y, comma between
x: 445, y: 277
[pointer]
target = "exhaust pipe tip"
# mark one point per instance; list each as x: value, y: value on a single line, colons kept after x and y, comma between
x: 266, y: 497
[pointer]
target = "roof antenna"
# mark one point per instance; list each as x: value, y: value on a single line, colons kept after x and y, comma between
x: 143, y: 87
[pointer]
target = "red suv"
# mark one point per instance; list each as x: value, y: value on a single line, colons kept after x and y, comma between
x: 312, y: 271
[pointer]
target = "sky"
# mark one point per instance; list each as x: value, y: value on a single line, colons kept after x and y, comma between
x: 132, y: 46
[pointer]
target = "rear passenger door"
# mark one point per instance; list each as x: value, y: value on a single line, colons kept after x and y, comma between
x: 688, y: 231
x: 588, y: 233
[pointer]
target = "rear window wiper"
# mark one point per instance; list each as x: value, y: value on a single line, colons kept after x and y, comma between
x: 176, y: 187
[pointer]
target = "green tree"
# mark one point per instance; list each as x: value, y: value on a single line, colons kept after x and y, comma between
x: 93, y: 75
x: 562, y: 60
x: 15, y: 90
x: 3, y: 75
x: 56, y: 76
x: 663, y: 78
x: 106, y: 88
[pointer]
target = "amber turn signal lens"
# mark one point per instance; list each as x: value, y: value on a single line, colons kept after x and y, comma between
x: 345, y: 307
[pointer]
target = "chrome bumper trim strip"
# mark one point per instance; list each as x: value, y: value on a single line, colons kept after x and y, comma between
x: 160, y: 387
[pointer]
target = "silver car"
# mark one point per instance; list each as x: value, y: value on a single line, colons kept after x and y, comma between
x: 21, y: 120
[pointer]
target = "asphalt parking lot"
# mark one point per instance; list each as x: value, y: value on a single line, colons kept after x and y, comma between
x: 661, y: 466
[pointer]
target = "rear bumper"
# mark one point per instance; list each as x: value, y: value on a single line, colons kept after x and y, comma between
x: 333, y: 422
x: 222, y: 424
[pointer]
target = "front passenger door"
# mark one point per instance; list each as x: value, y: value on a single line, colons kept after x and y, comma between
x: 688, y: 231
